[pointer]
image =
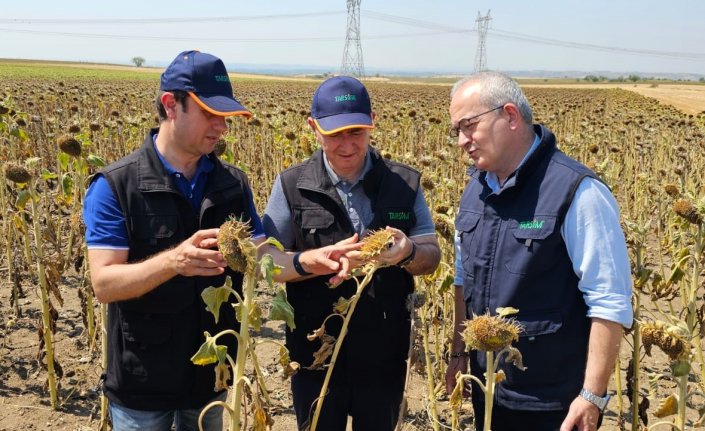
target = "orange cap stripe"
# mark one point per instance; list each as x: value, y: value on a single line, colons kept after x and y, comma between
x: 340, y: 129
x: 214, y: 112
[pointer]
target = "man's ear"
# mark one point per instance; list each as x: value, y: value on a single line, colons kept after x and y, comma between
x: 513, y: 114
x: 312, y: 124
x: 169, y: 102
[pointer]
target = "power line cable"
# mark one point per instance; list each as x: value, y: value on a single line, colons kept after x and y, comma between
x: 103, y: 21
x: 437, y: 29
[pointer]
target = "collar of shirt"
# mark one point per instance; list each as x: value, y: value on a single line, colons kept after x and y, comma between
x: 339, y: 182
x: 491, y: 177
x: 204, y: 165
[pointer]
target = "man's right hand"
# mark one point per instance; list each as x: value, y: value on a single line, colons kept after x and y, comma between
x: 196, y: 256
x: 455, y: 365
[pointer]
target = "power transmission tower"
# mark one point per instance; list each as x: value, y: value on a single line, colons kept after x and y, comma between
x: 483, y: 22
x: 352, y: 55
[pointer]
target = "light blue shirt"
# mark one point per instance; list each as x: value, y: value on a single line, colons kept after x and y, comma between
x: 596, y: 247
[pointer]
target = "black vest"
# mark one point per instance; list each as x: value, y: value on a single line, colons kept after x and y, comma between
x: 377, y: 342
x: 152, y: 338
x: 513, y: 255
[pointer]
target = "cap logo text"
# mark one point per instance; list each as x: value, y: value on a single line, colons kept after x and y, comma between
x: 345, y: 98
x: 222, y: 78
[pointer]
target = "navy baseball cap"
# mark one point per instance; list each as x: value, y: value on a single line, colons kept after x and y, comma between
x: 341, y: 103
x: 205, y: 79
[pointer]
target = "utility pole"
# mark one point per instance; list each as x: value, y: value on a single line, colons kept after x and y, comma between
x: 482, y: 23
x: 352, y: 55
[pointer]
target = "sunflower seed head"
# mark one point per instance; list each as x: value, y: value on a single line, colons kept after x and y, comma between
x: 16, y: 173
x: 685, y: 209
x: 672, y: 344
x: 490, y: 333
x: 235, y: 243
x: 375, y: 243
x: 70, y: 146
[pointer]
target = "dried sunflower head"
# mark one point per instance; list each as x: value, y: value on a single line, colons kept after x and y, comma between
x: 490, y: 333
x: 17, y: 173
x: 672, y: 343
x: 672, y: 190
x: 235, y: 243
x: 685, y: 209
x: 70, y: 146
x: 375, y: 243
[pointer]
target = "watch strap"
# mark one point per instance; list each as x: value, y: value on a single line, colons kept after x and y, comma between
x: 599, y: 402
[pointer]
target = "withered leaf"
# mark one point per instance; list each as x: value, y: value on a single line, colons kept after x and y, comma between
x: 214, y: 297
x: 222, y: 375
x: 281, y: 309
x: 321, y: 355
x: 667, y: 407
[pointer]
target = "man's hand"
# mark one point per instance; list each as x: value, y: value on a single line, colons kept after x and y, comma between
x: 456, y: 365
x: 582, y: 415
x: 331, y: 259
x: 398, y: 251
x: 195, y: 256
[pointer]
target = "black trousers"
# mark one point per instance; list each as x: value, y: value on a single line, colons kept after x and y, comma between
x: 504, y: 419
x: 372, y: 403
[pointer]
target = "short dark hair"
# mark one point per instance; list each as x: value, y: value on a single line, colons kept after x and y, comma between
x: 179, y: 95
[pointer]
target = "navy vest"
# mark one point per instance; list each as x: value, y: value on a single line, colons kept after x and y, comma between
x: 377, y: 342
x: 513, y: 255
x: 152, y: 338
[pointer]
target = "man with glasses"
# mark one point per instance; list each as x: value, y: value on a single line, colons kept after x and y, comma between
x: 347, y: 189
x: 539, y: 232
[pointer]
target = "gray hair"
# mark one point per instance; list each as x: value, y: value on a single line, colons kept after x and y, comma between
x: 496, y: 89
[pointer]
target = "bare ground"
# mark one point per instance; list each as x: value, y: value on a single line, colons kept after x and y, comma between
x: 24, y: 400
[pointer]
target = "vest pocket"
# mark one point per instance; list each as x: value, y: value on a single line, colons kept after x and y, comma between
x: 147, y: 356
x: 315, y: 222
x: 540, y: 347
x: 531, y: 246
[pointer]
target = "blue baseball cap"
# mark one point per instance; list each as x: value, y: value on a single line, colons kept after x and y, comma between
x: 204, y: 77
x: 341, y: 103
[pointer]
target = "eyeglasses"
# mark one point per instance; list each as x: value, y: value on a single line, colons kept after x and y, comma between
x: 465, y: 125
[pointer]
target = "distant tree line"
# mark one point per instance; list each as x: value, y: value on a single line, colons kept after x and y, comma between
x: 630, y: 78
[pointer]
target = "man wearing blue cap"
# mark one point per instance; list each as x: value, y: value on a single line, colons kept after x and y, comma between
x: 151, y: 225
x: 344, y: 190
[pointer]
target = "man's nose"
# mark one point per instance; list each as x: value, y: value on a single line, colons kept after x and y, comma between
x: 219, y: 124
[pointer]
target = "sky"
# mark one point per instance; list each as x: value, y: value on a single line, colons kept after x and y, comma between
x: 646, y: 36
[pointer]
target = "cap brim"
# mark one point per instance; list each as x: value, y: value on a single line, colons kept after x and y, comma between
x: 220, y: 105
x: 340, y: 122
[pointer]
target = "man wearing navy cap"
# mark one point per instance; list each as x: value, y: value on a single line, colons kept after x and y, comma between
x: 151, y: 224
x: 344, y: 190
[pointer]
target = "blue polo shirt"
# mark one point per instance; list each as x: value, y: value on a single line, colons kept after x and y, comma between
x: 105, y: 222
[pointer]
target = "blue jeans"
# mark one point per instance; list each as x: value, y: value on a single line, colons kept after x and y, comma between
x: 125, y: 419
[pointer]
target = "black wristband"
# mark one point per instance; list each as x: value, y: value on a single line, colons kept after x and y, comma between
x: 459, y: 354
x: 297, y: 265
x: 408, y: 259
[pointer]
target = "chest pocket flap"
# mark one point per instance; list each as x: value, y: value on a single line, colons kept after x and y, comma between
x: 466, y: 221
x: 313, y: 218
x: 153, y: 226
x: 539, y: 228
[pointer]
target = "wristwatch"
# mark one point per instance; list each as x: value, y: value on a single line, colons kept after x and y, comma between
x: 410, y: 258
x: 599, y: 402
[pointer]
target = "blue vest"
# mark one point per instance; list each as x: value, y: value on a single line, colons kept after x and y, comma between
x: 513, y: 255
